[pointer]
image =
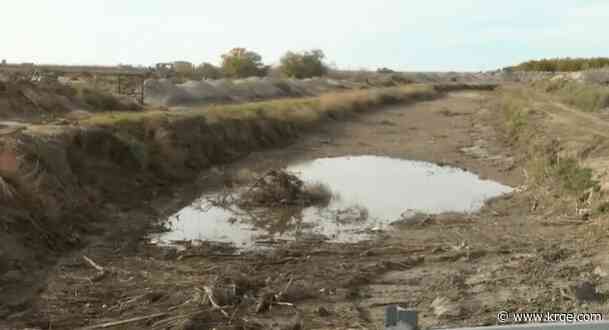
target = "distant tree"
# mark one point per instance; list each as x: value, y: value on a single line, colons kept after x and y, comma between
x: 306, y: 64
x: 384, y: 70
x: 242, y: 63
x: 209, y: 71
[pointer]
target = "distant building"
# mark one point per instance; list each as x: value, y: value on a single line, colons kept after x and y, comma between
x: 183, y: 67
x: 3, y: 62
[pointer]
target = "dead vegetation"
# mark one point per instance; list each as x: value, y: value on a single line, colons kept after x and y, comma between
x: 275, y: 189
x: 279, y: 188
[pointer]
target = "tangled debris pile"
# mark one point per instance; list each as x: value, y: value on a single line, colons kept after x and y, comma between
x: 279, y: 188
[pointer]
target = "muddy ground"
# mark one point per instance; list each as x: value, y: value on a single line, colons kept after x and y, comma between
x: 454, y: 269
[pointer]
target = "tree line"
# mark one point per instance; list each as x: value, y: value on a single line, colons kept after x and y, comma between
x: 243, y: 63
x: 563, y: 64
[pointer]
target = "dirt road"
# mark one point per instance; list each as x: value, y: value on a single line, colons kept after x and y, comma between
x: 455, y: 269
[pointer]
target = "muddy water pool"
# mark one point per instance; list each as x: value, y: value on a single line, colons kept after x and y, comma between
x: 369, y: 193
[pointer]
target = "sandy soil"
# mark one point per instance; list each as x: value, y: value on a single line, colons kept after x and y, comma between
x: 454, y: 269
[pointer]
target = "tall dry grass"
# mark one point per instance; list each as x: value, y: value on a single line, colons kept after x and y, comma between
x: 544, y: 163
x: 300, y: 111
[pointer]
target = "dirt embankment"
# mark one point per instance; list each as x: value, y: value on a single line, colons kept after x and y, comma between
x: 165, y: 92
x: 43, y: 102
x: 62, y: 186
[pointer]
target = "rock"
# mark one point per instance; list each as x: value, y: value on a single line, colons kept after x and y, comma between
x: 443, y: 307
x: 586, y: 292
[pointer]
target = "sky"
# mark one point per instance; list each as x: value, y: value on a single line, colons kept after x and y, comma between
x: 422, y: 35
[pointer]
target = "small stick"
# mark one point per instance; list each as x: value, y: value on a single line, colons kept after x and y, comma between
x: 280, y: 303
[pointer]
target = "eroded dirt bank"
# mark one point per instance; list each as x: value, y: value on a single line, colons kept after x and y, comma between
x: 517, y: 253
x: 64, y: 185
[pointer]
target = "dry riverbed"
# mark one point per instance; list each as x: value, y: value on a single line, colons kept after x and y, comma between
x: 454, y: 268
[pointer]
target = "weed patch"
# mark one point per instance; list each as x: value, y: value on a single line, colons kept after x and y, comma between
x: 137, y: 149
x: 516, y: 116
x: 573, y: 177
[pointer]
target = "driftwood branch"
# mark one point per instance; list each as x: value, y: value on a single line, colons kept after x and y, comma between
x: 101, y: 271
x: 281, y: 293
x: 93, y: 264
x: 212, y: 300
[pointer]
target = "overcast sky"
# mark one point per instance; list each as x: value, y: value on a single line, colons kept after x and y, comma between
x: 400, y: 34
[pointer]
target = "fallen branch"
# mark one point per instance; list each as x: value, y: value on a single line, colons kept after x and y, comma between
x: 212, y: 300
x: 101, y: 271
x: 93, y: 264
x: 280, y: 303
x: 123, y: 322
x: 281, y: 293
x: 165, y: 323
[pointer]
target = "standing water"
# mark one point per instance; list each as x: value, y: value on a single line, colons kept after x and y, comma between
x: 369, y: 193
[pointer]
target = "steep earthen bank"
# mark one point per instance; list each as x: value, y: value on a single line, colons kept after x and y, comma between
x: 60, y: 186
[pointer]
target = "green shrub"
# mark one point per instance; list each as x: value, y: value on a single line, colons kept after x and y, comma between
x: 209, y: 71
x: 99, y: 100
x: 242, y: 63
x: 516, y: 117
x: 307, y: 64
x: 574, y: 178
x: 137, y: 149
